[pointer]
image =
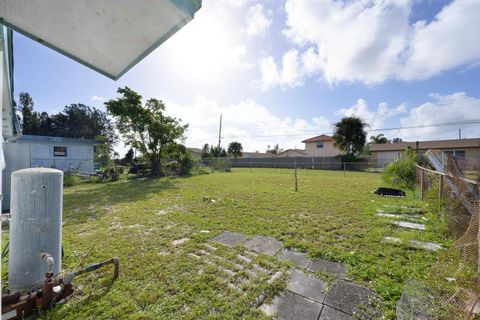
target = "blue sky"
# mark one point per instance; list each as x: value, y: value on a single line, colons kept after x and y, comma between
x: 282, y: 71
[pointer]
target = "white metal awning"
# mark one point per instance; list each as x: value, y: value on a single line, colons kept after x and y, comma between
x: 109, y: 36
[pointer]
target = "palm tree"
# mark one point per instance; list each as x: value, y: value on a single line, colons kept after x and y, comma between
x: 350, y: 135
x: 379, y: 138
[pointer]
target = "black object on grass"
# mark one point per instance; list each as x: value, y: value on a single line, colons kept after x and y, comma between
x: 389, y: 192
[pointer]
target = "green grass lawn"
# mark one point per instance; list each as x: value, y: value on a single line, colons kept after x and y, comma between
x: 331, y: 216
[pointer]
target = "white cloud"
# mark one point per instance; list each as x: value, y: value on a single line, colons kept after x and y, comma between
x: 373, y: 41
x: 239, y: 57
x: 438, y: 109
x: 441, y: 109
x: 246, y: 121
x: 258, y: 20
x: 97, y: 98
x: 375, y: 119
x: 291, y: 73
x: 230, y: 4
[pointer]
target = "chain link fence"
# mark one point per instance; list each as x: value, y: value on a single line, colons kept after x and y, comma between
x: 451, y: 289
x: 314, y: 163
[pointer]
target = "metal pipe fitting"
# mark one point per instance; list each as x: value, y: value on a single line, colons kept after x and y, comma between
x: 47, y: 257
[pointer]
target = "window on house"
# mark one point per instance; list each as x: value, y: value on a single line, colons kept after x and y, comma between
x: 60, y: 151
x: 320, y: 144
x: 459, y: 154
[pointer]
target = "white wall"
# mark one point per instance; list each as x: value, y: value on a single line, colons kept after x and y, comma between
x: 79, y: 156
x: 27, y: 154
x: 17, y: 156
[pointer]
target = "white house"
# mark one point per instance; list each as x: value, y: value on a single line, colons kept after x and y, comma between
x: 28, y: 151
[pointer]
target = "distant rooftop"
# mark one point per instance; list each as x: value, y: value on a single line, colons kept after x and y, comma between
x: 424, y: 145
x: 322, y: 137
x: 27, y: 137
x: 294, y: 150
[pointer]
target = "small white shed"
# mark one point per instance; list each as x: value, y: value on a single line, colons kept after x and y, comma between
x: 29, y: 151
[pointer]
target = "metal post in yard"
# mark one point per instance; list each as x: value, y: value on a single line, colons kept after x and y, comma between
x: 296, y: 182
x: 421, y: 184
x: 344, y: 170
x: 440, y: 187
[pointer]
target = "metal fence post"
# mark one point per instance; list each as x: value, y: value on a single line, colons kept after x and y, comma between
x: 440, y: 187
x: 296, y: 182
x: 421, y: 184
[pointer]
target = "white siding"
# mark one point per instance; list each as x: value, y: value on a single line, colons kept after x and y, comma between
x: 29, y: 154
x: 17, y: 156
x: 79, y: 156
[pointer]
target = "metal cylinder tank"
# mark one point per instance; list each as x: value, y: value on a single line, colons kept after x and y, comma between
x: 35, y: 226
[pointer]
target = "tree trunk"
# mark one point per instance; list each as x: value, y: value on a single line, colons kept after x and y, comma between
x: 156, y: 168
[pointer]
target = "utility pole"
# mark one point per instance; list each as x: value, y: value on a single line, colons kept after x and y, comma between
x: 220, y: 132
x: 459, y: 133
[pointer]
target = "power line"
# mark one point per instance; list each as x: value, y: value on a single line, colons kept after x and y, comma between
x: 454, y: 123
x: 445, y: 124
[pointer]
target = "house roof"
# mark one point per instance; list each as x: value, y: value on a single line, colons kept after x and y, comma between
x: 425, y: 145
x: 33, y: 138
x: 109, y: 36
x: 322, y: 137
x: 256, y: 154
x: 294, y: 150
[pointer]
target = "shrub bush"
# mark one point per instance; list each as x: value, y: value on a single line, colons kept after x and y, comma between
x: 401, y: 172
x: 186, y: 164
x: 70, y: 180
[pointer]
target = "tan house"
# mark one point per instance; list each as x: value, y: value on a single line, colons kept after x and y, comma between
x: 321, y: 146
x: 466, y: 150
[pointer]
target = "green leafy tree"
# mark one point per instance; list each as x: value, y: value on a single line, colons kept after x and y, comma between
x: 26, y: 108
x: 146, y: 127
x: 128, y: 158
x: 206, y: 151
x: 183, y: 158
x: 217, y: 152
x: 82, y: 121
x: 235, y: 149
x: 350, y: 135
x: 274, y: 150
x: 102, y: 153
x: 379, y: 138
